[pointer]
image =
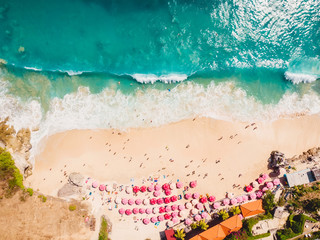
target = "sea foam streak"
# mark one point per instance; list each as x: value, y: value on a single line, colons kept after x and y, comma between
x: 151, y: 78
x: 297, y: 78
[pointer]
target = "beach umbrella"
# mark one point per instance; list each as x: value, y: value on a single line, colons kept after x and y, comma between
x: 142, y: 210
x: 199, y: 206
x: 135, y: 211
x: 102, y: 187
x: 167, y: 200
x: 160, y: 218
x: 255, y: 184
x: 230, y: 195
x: 216, y: 205
x: 168, y: 209
x: 128, y: 190
x: 128, y: 212
x: 194, y: 202
x: 156, y: 193
x: 179, y: 185
x: 174, y: 207
x: 188, y: 221
x: 146, y: 221
x: 174, y: 198
x: 181, y: 207
x: 170, y: 224
x: 253, y: 196
x: 108, y: 188
x: 167, y: 216
x: 145, y: 201
x: 171, y: 186
x: 203, y: 200
x: 131, y: 201
x: 269, y: 185
x: 249, y: 188
x: 234, y: 201
x: 276, y: 181
x: 239, y: 199
x: 150, y: 188
x: 204, y: 215
x: 260, y: 180
x: 212, y: 199
x: 153, y: 219
x: 121, y: 211
x: 153, y: 201
x: 188, y: 205
x: 162, y: 209
x: 175, y: 220
x: 259, y: 194
x: 124, y: 201
x: 183, y: 214
x: 167, y: 192
x: 155, y: 210
x: 226, y: 201
x: 264, y: 189
x: 157, y: 187
x: 264, y: 176
x: 138, y: 201
x: 136, y: 189
x: 245, y: 198
x: 95, y: 184
x: 193, y: 184
x: 148, y: 211
x: 197, y: 217
x: 174, y: 214
x: 117, y: 200
x: 143, y: 189
x: 196, y: 195
x: 194, y: 211
x: 165, y: 186
x: 187, y: 196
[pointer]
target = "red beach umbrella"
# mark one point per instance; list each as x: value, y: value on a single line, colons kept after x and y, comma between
x: 160, y: 201
x: 203, y: 200
x: 212, y: 199
x: 162, y: 209
x: 167, y: 216
x: 153, y: 201
x: 167, y: 192
x: 174, y: 207
x: 143, y: 189
x: 128, y: 212
x: 165, y: 186
x: 136, y: 189
x: 174, y: 198
x: 167, y: 200
x: 249, y: 188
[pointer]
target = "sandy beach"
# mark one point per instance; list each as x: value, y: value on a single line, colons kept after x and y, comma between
x: 218, y: 154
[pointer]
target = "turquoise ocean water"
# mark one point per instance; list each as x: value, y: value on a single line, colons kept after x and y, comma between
x: 99, y: 63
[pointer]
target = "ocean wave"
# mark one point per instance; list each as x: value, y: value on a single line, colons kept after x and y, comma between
x: 152, y: 78
x: 297, y: 78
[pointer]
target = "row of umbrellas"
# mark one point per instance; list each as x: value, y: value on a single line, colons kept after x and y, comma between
x: 260, y: 180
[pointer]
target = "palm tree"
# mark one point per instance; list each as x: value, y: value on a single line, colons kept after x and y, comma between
x: 235, y: 210
x: 180, y: 234
x: 203, y: 225
x: 194, y: 225
x: 223, y: 214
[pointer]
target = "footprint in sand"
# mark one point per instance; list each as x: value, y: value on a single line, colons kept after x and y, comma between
x: 220, y: 139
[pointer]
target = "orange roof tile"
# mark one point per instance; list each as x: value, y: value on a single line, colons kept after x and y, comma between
x: 252, y: 208
x: 198, y: 237
x: 217, y: 232
x: 233, y: 224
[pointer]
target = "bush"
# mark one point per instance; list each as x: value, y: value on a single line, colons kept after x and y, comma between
x: 30, y: 191
x: 235, y: 210
x: 268, y: 201
x: 72, y: 207
x: 180, y: 234
x: 43, y: 198
x: 203, y: 225
x: 103, y: 234
x: 311, y: 205
x: 284, y: 234
x: 223, y: 214
x: 248, y: 224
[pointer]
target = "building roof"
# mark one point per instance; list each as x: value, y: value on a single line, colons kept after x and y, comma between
x: 198, y: 237
x: 278, y: 212
x: 301, y: 177
x: 170, y: 234
x: 217, y: 232
x: 233, y: 224
x: 252, y: 208
x: 316, y: 174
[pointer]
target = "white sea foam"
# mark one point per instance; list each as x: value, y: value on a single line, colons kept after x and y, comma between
x: 297, y: 78
x: 73, y: 73
x: 151, y: 78
x: 33, y: 68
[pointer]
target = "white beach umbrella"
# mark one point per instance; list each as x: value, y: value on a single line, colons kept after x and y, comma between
x: 109, y: 188
x: 194, y: 211
x: 128, y: 189
x: 255, y: 184
x: 155, y: 210
x: 230, y: 195
x: 172, y: 186
x: 170, y: 224
x: 183, y: 214
x: 194, y: 202
x: 117, y: 200
x: 146, y: 201
x: 188, y: 205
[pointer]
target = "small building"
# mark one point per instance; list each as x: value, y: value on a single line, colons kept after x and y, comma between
x: 233, y: 224
x: 299, y: 178
x: 170, y: 234
x: 278, y: 212
x: 217, y: 232
x: 251, y: 209
x: 316, y: 174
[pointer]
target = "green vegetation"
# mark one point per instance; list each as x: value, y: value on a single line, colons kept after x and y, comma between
x: 311, y: 205
x: 30, y: 191
x: 180, y: 234
x: 43, y: 198
x: 72, y: 207
x: 10, y: 173
x: 103, y: 234
x: 235, y: 210
x: 203, y: 225
x: 268, y: 202
x: 223, y: 214
x: 242, y: 235
x: 194, y: 225
x: 249, y: 223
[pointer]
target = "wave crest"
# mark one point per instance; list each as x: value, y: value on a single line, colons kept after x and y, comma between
x: 152, y: 78
x: 297, y: 78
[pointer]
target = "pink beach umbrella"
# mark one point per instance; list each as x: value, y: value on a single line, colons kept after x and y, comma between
x: 216, y: 205
x: 136, y: 189
x: 121, y: 211
x: 130, y: 201
x: 167, y: 200
x: 199, y: 206
x: 153, y: 201
x: 188, y: 205
x: 253, y: 196
x: 234, y: 201
x: 174, y: 198
x: 162, y: 209
x: 128, y: 212
x: 160, y: 218
x: 196, y: 195
x: 259, y: 194
x: 226, y: 201
x: 203, y: 200
x: 142, y: 211
x: 239, y: 199
x: 95, y: 184
x: 265, y: 189
x: 269, y: 185
x: 156, y: 193
x: 148, y: 211
x: 155, y: 210
x: 264, y: 176
x: 143, y: 189
x: 124, y: 201
x: 135, y: 211
x: 102, y: 187
x: 138, y: 201
x: 167, y: 216
x: 167, y: 192
x: 212, y: 199
x: 174, y: 207
x: 197, y: 217
x: 181, y: 207
x: 153, y: 219
x: 168, y: 209
x: 157, y: 187
x: 260, y: 180
x: 276, y: 181
x: 150, y: 188
x: 187, y: 196
x: 174, y: 214
x: 193, y: 184
x: 179, y: 185
x: 245, y: 198
x: 188, y: 221
x: 146, y: 221
x: 204, y: 215
x: 175, y: 220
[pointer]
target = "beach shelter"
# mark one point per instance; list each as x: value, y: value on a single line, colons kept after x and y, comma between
x: 217, y: 232
x: 252, y: 208
x: 233, y: 224
x: 169, y: 234
x: 198, y: 237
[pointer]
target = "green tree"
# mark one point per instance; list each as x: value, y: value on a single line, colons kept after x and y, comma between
x: 223, y: 214
x: 180, y: 234
x: 235, y: 210
x: 203, y: 225
x: 268, y: 201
